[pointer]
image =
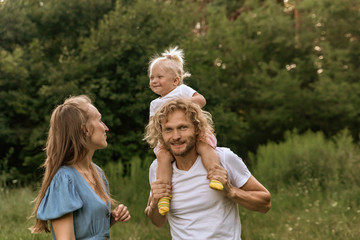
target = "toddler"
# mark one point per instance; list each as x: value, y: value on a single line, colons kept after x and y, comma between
x: 166, y: 75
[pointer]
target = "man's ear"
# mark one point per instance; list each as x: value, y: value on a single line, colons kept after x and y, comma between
x: 197, y: 133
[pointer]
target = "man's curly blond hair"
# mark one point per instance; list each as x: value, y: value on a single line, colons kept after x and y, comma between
x: 201, y: 119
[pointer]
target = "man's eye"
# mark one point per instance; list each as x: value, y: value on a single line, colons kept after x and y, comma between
x: 183, y: 127
x: 167, y: 129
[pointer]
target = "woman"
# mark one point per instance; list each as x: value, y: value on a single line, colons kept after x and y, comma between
x: 74, y: 195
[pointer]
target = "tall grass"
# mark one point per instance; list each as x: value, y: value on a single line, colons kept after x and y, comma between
x: 310, y: 161
x: 313, y: 181
x: 133, y: 191
x: 315, y: 188
x: 15, y: 208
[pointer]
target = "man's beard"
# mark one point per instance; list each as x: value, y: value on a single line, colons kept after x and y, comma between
x: 190, y: 145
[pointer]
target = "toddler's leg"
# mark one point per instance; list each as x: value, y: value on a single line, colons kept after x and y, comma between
x: 164, y: 172
x: 209, y: 158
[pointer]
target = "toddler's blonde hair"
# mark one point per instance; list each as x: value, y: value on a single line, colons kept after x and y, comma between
x: 171, y: 60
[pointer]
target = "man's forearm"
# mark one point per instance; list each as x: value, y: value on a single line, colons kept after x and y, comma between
x: 253, y: 200
x: 252, y: 195
x: 152, y: 212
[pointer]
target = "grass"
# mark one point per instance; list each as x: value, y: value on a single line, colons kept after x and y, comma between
x: 315, y: 195
x: 304, y: 216
x: 293, y: 216
x: 16, y: 206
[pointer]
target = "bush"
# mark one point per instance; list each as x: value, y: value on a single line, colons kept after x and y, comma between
x: 309, y: 161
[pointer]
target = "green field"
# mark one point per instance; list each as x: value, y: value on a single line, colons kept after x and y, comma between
x: 293, y: 216
x: 314, y: 184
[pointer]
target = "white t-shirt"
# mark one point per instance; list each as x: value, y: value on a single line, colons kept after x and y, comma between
x: 181, y: 91
x: 196, y: 210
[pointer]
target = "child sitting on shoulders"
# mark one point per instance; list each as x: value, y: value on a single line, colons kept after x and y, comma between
x: 166, y: 75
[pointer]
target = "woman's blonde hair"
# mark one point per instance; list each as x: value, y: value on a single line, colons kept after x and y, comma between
x: 201, y: 120
x: 172, y: 60
x: 66, y: 146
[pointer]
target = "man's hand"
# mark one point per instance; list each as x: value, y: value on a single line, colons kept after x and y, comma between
x: 219, y: 173
x: 159, y: 189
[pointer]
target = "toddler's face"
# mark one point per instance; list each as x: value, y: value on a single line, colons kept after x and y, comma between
x: 162, y: 82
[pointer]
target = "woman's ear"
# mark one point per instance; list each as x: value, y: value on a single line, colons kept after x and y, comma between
x: 86, y: 130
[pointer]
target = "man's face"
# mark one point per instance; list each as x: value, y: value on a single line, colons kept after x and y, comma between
x: 179, y: 134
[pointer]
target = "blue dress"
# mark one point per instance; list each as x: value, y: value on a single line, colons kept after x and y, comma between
x: 69, y: 192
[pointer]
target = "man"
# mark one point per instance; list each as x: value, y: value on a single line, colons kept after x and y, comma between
x: 198, y: 212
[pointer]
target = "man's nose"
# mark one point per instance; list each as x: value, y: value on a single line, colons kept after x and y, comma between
x: 176, y: 134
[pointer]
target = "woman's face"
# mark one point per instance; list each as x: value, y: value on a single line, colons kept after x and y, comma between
x: 96, y: 130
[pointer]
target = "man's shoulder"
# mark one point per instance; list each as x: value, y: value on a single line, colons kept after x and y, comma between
x: 224, y: 152
x: 152, y: 171
x: 227, y: 157
x: 153, y: 164
x: 237, y: 170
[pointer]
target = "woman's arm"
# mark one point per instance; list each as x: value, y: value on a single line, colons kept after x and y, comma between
x: 64, y: 227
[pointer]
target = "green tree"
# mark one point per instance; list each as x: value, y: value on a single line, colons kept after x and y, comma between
x: 265, y: 67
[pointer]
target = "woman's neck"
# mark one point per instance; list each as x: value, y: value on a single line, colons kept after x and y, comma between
x: 86, y: 162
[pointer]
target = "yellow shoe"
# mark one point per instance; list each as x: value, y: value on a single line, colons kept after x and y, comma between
x: 164, y: 205
x: 216, y: 185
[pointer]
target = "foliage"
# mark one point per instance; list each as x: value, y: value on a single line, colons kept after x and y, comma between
x: 265, y: 67
x: 309, y: 161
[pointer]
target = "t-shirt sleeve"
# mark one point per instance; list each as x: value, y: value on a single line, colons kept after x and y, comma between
x: 60, y: 198
x: 152, y: 109
x: 186, y: 91
x: 238, y: 172
x: 152, y: 171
